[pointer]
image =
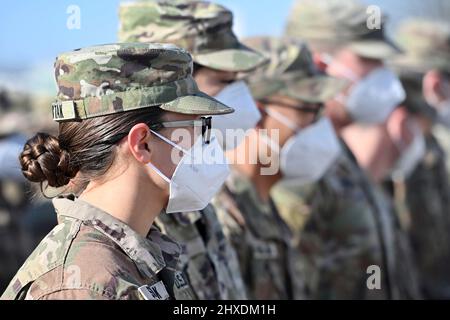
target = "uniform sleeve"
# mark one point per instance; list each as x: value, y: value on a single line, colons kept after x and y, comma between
x: 340, y: 242
x: 74, y: 294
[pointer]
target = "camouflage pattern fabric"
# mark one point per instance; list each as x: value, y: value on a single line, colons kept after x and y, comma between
x: 63, y: 266
x: 425, y: 201
x: 202, y: 28
x: 341, y: 226
x: 335, y: 232
x: 426, y: 44
x: 207, y: 258
x: 328, y: 25
x: 101, y: 80
x: 291, y: 72
x: 261, y: 240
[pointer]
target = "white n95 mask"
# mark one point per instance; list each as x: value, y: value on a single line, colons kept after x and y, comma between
x: 198, y: 176
x: 373, y: 98
x: 308, y: 154
x: 231, y: 128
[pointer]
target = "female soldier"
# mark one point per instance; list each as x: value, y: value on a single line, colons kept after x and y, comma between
x: 118, y: 106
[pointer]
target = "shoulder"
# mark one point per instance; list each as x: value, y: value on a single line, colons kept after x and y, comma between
x: 94, y: 267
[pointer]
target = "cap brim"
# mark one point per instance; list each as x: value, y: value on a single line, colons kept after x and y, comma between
x: 199, y: 103
x: 375, y: 49
x: 405, y: 63
x: 419, y: 64
x: 318, y: 89
x: 240, y: 59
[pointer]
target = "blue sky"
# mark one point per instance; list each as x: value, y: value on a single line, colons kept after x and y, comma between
x: 34, y: 32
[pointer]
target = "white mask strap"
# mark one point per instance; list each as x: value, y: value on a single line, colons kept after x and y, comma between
x: 169, y: 142
x: 344, y: 70
x: 162, y: 175
x: 269, y: 142
x: 151, y: 165
x: 283, y: 119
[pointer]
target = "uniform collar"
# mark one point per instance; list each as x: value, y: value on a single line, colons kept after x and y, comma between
x: 148, y: 254
x: 242, y: 186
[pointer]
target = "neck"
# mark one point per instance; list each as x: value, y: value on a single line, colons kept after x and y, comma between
x: 253, y: 170
x: 127, y: 199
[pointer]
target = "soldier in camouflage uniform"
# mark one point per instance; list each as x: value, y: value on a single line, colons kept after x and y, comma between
x: 110, y: 95
x: 204, y: 29
x: 335, y: 231
x: 428, y: 53
x: 360, y: 210
x: 249, y: 216
x: 423, y: 194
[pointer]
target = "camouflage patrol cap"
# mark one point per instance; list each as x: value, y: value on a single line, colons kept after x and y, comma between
x: 106, y: 79
x: 291, y: 72
x: 426, y: 43
x: 332, y: 24
x: 202, y: 28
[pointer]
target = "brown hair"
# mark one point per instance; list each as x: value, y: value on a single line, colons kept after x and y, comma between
x: 86, y: 147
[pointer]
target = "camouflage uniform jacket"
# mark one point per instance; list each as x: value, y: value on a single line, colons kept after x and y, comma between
x: 92, y: 255
x: 428, y: 203
x: 341, y: 225
x: 208, y: 260
x: 260, y: 238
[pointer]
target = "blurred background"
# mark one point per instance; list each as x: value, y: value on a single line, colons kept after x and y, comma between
x: 33, y: 33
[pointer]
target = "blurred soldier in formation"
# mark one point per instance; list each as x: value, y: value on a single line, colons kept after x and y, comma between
x: 205, y: 30
x: 290, y: 92
x: 419, y: 181
x: 345, y: 46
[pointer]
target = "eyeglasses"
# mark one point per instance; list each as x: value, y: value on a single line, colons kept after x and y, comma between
x: 203, y: 122
x: 315, y: 108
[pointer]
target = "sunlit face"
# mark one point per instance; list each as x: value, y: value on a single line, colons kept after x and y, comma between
x: 212, y: 81
x: 436, y: 87
x: 143, y: 147
x: 166, y: 156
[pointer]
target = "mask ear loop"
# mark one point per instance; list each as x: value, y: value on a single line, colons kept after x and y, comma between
x: 162, y: 175
x: 151, y: 165
x: 281, y: 118
x: 169, y: 142
x: 346, y: 72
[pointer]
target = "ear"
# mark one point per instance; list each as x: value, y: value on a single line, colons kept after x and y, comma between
x: 139, y: 143
x: 431, y: 84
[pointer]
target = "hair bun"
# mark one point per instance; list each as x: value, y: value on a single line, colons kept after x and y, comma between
x: 42, y: 159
